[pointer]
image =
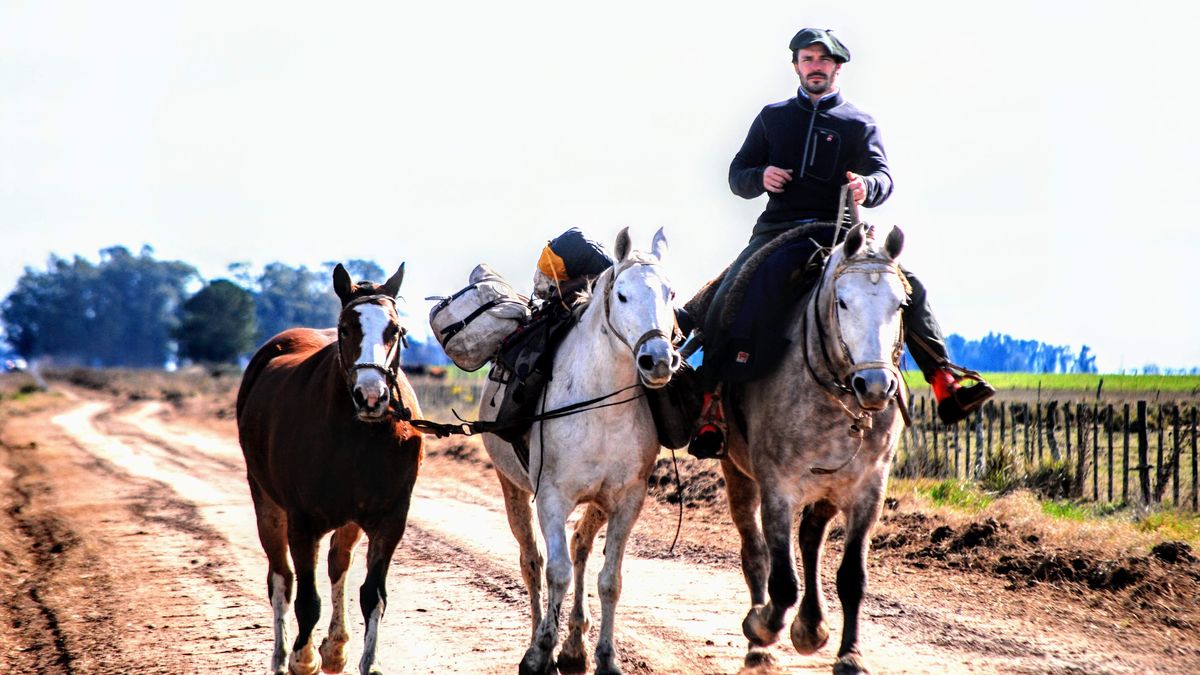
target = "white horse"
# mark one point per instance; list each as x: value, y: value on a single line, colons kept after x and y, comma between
x: 600, y: 457
x: 820, y: 438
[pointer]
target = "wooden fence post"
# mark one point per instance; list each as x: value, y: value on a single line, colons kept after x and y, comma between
x: 966, y: 426
x: 1051, y: 423
x: 1143, y: 451
x: 1160, y: 468
x: 1109, y: 426
x: 1081, y: 452
x: 980, y: 460
x: 1195, y: 477
x: 1025, y: 430
x: 1040, y: 422
x: 1175, y: 454
x: 1095, y: 453
x: 1125, y: 456
x: 1067, y: 431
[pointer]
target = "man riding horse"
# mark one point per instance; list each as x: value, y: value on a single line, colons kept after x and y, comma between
x: 802, y: 152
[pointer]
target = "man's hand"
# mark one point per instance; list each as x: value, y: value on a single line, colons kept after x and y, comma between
x: 774, y: 178
x: 858, y: 187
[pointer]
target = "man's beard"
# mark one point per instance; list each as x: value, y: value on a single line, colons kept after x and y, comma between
x: 819, y: 87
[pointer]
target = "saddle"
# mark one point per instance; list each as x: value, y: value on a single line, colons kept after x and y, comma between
x: 749, y: 335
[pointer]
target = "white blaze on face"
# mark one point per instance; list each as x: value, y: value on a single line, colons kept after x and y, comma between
x: 373, y: 319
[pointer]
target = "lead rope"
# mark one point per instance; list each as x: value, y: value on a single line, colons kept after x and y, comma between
x: 678, y: 493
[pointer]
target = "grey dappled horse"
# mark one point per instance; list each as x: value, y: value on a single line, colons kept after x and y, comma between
x: 600, y: 457
x: 819, y: 440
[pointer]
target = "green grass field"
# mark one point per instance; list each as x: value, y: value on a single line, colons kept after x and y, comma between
x: 1074, y: 382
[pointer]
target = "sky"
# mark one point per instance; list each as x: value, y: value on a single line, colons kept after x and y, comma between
x: 1044, y: 153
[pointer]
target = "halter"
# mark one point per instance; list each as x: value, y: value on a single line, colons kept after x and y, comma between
x: 391, y: 366
x: 620, y: 268
x: 844, y: 368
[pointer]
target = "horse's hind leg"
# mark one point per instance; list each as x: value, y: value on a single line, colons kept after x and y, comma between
x: 810, y: 632
x: 341, y: 551
x: 520, y: 521
x: 303, y: 543
x: 272, y: 533
x: 573, y: 657
x: 852, y: 578
x: 620, y: 524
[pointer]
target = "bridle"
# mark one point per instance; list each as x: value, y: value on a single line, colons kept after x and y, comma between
x: 651, y: 334
x: 841, y: 366
x: 389, y: 369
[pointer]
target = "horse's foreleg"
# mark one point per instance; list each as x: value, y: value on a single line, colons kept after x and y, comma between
x: 609, y: 587
x: 810, y: 632
x: 852, y: 579
x: 304, y: 659
x: 272, y: 533
x: 573, y: 657
x: 372, y: 595
x: 764, y: 624
x: 552, y: 516
x: 341, y: 551
x: 520, y: 521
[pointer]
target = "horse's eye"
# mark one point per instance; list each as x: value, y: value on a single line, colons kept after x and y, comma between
x: 622, y: 298
x: 842, y: 304
x: 672, y: 296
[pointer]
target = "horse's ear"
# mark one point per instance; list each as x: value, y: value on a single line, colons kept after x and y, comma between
x: 392, y: 286
x: 623, y: 245
x: 854, y: 241
x: 659, y: 246
x: 341, y: 283
x: 894, y: 243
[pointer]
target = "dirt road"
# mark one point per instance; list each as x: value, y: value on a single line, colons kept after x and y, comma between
x: 129, y: 546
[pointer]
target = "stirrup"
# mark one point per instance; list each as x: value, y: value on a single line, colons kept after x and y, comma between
x: 963, y: 401
x: 708, y: 441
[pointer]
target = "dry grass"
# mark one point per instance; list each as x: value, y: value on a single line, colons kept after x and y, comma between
x: 1101, y: 530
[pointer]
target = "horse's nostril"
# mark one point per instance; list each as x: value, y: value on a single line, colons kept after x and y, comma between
x: 675, y: 361
x: 359, y: 398
x: 860, y: 385
x: 645, y: 362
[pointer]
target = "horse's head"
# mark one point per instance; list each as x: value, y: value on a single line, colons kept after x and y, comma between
x: 637, y: 304
x: 863, y: 295
x: 369, y: 341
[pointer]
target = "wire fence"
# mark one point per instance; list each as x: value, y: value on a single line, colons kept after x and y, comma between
x: 1136, y: 452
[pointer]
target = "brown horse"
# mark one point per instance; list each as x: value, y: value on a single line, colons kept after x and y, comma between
x: 322, y: 419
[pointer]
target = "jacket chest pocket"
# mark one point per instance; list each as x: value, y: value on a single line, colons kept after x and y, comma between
x: 821, y: 161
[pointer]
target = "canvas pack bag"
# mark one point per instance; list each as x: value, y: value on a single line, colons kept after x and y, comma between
x: 473, y: 323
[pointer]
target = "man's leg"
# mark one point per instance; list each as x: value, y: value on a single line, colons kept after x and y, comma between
x: 923, y: 337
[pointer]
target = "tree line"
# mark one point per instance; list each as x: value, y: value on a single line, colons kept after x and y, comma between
x: 1000, y: 353
x: 138, y: 311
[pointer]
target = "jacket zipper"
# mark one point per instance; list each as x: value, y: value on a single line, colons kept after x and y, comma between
x: 806, y: 162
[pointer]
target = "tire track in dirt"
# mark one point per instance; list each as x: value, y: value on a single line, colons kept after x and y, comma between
x: 162, y: 516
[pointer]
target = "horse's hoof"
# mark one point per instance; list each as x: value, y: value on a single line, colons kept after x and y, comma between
x: 808, y: 639
x: 572, y: 663
x: 333, y: 657
x: 851, y: 664
x: 532, y: 665
x: 759, y: 658
x: 754, y: 627
x: 304, y: 662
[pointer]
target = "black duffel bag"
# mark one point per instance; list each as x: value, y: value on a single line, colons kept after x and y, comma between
x: 676, y: 407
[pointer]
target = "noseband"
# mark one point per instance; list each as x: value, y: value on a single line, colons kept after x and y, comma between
x: 648, y: 335
x: 843, y: 368
x: 390, y: 369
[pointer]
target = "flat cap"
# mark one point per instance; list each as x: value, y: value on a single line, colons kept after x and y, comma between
x: 814, y: 36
